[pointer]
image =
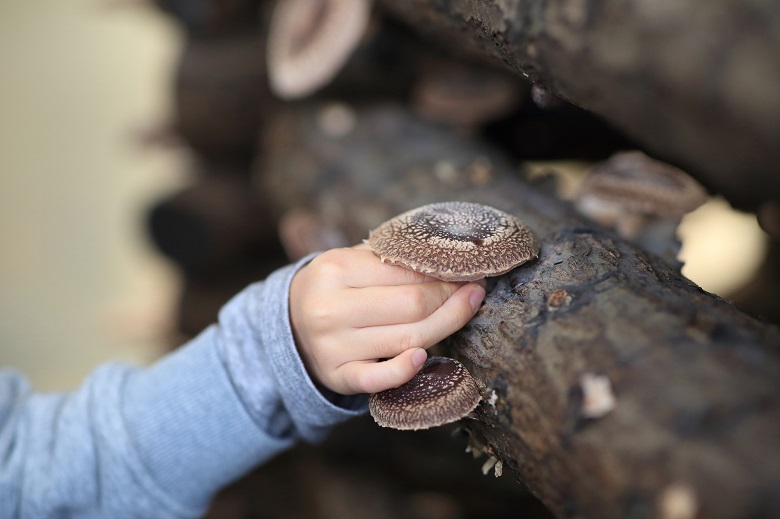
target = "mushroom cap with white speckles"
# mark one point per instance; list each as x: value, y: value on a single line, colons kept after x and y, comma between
x: 455, y: 241
x: 441, y: 392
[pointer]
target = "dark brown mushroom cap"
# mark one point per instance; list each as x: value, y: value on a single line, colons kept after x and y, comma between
x: 454, y: 241
x: 441, y: 392
x: 644, y: 185
x: 309, y: 41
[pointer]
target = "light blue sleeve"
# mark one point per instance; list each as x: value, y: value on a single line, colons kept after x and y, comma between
x: 161, y: 441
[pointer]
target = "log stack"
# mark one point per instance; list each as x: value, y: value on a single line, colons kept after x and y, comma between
x: 614, y: 387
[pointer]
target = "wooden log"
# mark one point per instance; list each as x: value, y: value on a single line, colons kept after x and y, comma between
x: 212, y: 18
x: 211, y: 225
x: 696, y: 420
x: 220, y: 95
x: 695, y: 82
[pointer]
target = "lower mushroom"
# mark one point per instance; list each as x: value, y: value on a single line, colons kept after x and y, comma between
x: 443, y: 391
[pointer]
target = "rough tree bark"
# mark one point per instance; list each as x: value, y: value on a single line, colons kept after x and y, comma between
x: 697, y: 82
x: 697, y: 417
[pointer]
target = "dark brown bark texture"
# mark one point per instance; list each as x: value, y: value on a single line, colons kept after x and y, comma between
x: 697, y: 382
x: 696, y: 82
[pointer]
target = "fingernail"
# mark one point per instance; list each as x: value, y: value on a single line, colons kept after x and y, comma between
x: 418, y: 358
x: 475, y: 299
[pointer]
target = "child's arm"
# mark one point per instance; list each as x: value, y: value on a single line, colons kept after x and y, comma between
x: 161, y: 441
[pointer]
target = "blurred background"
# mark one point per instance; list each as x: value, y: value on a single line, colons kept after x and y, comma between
x: 81, y: 83
x: 85, y: 87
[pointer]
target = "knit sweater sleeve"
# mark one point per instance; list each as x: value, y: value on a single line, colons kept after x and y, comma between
x: 161, y: 441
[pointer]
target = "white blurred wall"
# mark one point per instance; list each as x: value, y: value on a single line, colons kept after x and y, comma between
x: 79, y: 283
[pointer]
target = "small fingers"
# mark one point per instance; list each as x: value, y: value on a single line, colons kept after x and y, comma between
x: 358, y: 267
x: 372, y: 377
x: 453, y: 314
x: 384, y: 305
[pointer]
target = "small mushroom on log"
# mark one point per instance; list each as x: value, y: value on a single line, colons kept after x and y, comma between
x: 631, y: 185
x: 442, y: 392
x: 597, y: 396
x: 464, y: 97
x: 643, y: 199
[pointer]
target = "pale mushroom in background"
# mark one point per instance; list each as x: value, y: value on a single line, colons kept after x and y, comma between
x: 455, y: 241
x: 442, y: 392
x: 643, y: 199
x: 309, y: 41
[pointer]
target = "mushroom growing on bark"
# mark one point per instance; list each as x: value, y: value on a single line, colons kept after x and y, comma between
x: 443, y: 391
x: 309, y: 41
x: 452, y: 241
x: 455, y: 241
x: 643, y: 199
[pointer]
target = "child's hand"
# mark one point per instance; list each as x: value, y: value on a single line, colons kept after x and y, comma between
x: 348, y: 310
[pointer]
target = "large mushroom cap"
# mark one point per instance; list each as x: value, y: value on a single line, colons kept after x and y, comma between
x: 309, y: 41
x: 441, y: 392
x: 639, y: 183
x: 454, y: 241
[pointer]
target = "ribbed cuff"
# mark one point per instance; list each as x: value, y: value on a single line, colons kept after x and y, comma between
x: 264, y: 307
x: 192, y: 433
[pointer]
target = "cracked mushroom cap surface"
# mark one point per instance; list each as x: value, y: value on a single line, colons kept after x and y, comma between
x: 455, y: 241
x: 642, y: 184
x: 309, y: 41
x: 443, y: 391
